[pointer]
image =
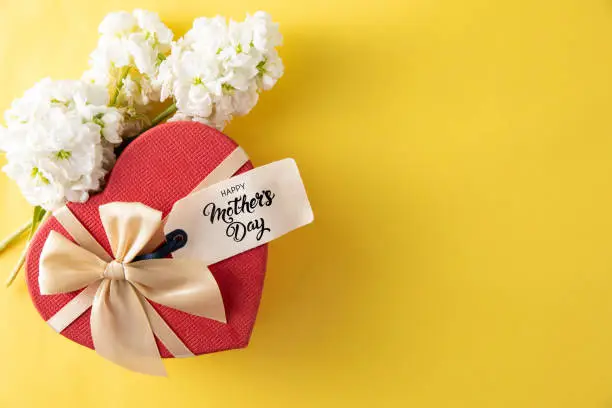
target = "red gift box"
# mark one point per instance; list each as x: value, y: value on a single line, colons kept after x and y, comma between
x: 160, y: 167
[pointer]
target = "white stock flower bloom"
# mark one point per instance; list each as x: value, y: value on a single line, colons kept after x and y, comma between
x: 266, y: 35
x: 126, y: 61
x: 216, y: 71
x: 59, y: 141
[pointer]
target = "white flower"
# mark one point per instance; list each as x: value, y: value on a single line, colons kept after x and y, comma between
x: 271, y: 69
x: 216, y: 71
x: 126, y: 61
x: 266, y: 35
x: 59, y: 141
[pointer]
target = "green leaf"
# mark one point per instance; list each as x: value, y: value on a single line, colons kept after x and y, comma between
x: 41, y: 214
x: 37, y: 216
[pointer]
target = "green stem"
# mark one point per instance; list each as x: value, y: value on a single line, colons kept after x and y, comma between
x: 22, y: 257
x: 170, y: 110
x: 14, y: 236
x: 17, y: 267
x: 124, y: 75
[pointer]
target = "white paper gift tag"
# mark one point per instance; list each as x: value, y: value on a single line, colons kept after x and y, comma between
x: 241, y: 213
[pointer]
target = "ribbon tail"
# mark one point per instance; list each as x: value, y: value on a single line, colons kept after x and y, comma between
x: 183, y: 284
x: 121, y: 331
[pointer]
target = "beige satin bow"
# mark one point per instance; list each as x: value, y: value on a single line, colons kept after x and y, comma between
x: 120, y: 322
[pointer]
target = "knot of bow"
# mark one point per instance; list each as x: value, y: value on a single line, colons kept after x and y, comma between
x: 120, y: 322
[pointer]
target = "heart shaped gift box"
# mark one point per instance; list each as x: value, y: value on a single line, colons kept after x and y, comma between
x: 160, y: 167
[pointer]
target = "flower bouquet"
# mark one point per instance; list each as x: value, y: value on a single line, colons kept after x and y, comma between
x: 62, y: 137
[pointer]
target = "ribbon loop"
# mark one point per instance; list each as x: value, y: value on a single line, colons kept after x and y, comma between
x: 129, y: 227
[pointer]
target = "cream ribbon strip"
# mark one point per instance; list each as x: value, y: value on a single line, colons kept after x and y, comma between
x: 79, y: 304
x: 226, y: 169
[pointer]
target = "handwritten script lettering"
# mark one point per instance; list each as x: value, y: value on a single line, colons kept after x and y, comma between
x: 238, y: 230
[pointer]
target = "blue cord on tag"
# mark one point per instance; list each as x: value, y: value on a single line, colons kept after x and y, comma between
x: 174, y: 240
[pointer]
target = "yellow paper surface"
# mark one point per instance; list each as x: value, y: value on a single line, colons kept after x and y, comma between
x: 458, y: 156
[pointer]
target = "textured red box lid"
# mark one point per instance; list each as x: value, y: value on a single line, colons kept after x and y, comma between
x: 161, y: 166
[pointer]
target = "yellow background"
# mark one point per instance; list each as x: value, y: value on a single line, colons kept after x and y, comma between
x: 458, y: 156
